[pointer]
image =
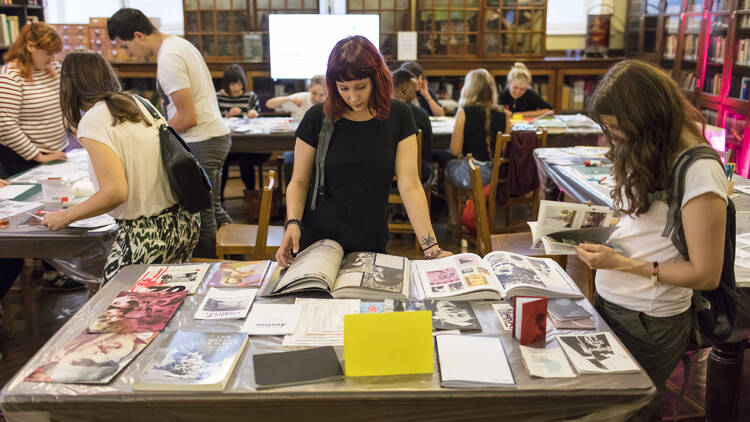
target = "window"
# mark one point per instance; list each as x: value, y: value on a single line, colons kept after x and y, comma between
x: 169, y: 12
x: 566, y: 17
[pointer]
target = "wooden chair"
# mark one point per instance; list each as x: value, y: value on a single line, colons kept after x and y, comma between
x: 519, y: 243
x: 395, y: 198
x: 259, y: 241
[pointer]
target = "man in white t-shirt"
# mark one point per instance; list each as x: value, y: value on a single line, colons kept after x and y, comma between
x: 188, y: 101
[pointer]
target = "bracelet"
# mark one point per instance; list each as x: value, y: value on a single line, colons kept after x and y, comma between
x: 429, y: 246
x: 655, y: 274
x: 293, y: 221
x: 433, y: 254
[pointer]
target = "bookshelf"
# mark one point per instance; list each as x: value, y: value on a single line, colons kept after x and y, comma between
x: 17, y: 14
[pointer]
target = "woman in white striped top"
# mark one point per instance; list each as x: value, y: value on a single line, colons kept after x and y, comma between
x: 31, y: 125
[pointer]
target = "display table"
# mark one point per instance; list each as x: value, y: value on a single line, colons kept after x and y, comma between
x: 724, y: 369
x: 406, y: 397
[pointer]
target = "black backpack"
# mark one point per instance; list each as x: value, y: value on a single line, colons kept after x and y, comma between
x: 714, y: 311
x: 189, y: 182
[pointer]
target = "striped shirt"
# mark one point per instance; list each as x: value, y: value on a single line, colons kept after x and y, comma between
x: 30, y: 116
x: 246, y: 102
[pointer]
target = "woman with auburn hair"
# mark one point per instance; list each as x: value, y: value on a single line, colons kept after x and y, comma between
x: 345, y: 197
x: 645, y: 293
x: 122, y: 140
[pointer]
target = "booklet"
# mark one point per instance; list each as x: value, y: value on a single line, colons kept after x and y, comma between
x: 564, y: 309
x: 240, y: 274
x: 135, y: 312
x: 228, y: 303
x: 529, y: 319
x: 358, y: 275
x: 272, y: 319
x: 504, y: 312
x: 598, y: 353
x: 171, y: 278
x: 91, y: 358
x: 546, y: 363
x: 192, y: 361
x: 473, y: 361
x: 496, y: 276
x: 296, y: 367
x: 562, y: 226
x: 448, y: 315
x: 321, y: 322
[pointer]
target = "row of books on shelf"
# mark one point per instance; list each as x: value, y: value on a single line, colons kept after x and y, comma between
x: 712, y: 85
x: 716, y: 49
x: 573, y: 96
x: 687, y: 79
x: 743, y: 52
x: 10, y: 26
x: 670, y: 46
x: 740, y: 87
x: 690, y: 51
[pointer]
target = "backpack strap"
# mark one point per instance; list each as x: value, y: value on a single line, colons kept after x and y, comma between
x: 674, y: 214
x: 324, y: 139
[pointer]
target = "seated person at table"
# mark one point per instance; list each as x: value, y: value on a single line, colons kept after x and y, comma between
x: 427, y: 99
x: 653, y: 318
x: 236, y: 101
x: 10, y: 268
x: 405, y: 89
x: 519, y: 98
x: 478, y: 121
x: 122, y: 140
x: 299, y: 103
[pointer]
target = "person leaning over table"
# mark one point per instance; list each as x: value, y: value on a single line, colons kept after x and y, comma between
x: 373, y: 135
x: 645, y: 293
x: 188, y: 97
x: 122, y: 140
x: 427, y: 99
x: 517, y: 97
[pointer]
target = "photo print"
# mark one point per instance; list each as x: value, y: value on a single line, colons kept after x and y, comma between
x: 452, y: 315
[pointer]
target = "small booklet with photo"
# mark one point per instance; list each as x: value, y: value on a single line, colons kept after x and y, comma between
x: 135, y: 312
x: 574, y: 324
x: 92, y: 358
x: 192, y: 361
x: 546, y: 362
x: 272, y: 319
x: 565, y: 309
x: 226, y: 303
x: 172, y: 278
x: 504, y: 312
x: 529, y: 319
x: 499, y: 275
x: 323, y: 266
x: 447, y: 315
x: 240, y: 274
x: 597, y: 353
x: 472, y: 361
x: 562, y: 226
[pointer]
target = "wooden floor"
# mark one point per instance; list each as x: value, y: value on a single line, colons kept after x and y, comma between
x: 54, y: 308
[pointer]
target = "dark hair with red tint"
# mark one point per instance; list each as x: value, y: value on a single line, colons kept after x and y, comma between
x: 356, y: 58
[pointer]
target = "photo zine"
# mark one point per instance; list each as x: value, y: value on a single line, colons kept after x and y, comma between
x: 562, y: 226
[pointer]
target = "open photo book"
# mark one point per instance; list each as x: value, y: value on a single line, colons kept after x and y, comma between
x: 499, y: 275
x: 562, y: 226
x: 357, y: 275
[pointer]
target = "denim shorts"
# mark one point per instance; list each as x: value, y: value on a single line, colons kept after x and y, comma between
x: 457, y: 171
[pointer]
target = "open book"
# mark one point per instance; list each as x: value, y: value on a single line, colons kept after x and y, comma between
x: 562, y: 226
x: 358, y: 275
x: 496, y: 276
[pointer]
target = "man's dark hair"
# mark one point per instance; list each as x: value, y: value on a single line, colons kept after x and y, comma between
x: 233, y: 73
x: 413, y: 67
x: 126, y: 22
x: 401, y: 76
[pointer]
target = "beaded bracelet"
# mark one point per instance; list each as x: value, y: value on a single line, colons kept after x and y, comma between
x: 429, y: 246
x: 434, y: 254
x: 293, y: 221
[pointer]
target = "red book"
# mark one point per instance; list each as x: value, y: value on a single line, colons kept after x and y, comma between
x: 529, y: 319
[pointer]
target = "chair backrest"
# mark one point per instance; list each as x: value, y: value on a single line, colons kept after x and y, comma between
x: 264, y: 216
x: 498, y: 159
x: 484, y: 243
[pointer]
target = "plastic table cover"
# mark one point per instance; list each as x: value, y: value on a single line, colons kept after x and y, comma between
x: 405, y: 397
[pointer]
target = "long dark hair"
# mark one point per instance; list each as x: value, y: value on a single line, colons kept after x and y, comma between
x: 88, y: 78
x: 233, y: 73
x: 652, y: 112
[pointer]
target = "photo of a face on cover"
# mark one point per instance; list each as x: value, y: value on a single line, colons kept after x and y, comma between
x: 512, y: 270
x: 452, y: 315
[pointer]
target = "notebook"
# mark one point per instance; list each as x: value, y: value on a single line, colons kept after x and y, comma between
x: 307, y: 366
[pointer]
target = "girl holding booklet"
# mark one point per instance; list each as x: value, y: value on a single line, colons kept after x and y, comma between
x: 122, y: 140
x: 645, y: 292
x: 345, y: 197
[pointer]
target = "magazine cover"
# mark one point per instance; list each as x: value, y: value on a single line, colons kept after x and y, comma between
x: 171, y: 278
x: 92, y: 358
x: 240, y: 274
x: 136, y: 312
x: 226, y: 303
x: 597, y: 353
x: 447, y: 315
x: 193, y: 360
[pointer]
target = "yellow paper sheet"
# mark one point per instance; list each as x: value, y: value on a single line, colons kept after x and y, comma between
x: 390, y: 343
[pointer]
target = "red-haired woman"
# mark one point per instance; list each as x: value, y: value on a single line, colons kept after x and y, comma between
x: 346, y: 198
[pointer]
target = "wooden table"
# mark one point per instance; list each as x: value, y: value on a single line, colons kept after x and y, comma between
x: 406, y: 397
x: 724, y: 368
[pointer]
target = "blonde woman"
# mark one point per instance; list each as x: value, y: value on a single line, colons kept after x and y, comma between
x: 519, y: 98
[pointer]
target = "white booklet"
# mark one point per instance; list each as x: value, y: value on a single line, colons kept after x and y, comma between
x: 272, y: 319
x: 598, y: 353
x: 229, y: 303
x: 546, y: 363
x: 496, y: 276
x: 473, y: 361
x: 321, y: 322
x: 562, y: 226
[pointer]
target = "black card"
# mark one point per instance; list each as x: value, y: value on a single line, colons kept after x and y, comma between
x: 452, y: 315
x: 296, y: 367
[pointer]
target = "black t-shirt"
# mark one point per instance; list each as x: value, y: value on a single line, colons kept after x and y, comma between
x: 423, y: 123
x: 423, y: 101
x: 359, y: 168
x: 529, y: 101
x: 475, y: 139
